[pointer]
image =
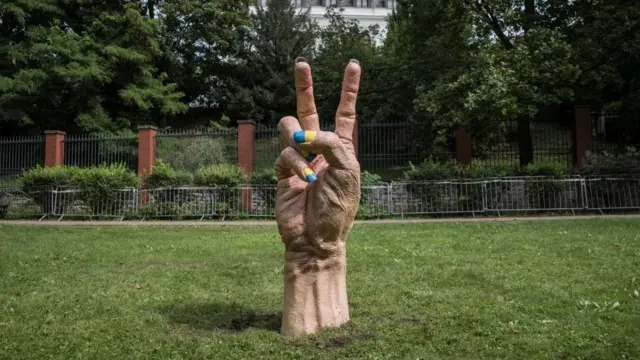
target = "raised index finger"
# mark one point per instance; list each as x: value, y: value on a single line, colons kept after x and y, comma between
x: 346, y: 114
x: 307, y: 112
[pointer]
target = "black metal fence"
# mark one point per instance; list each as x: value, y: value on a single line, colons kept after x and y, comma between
x: 86, y: 150
x: 614, y: 132
x: 190, y: 149
x: 384, y: 148
x: 268, y: 145
x: 498, y: 143
x: 18, y: 154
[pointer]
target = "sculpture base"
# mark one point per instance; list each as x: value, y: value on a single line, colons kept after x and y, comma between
x: 315, y: 293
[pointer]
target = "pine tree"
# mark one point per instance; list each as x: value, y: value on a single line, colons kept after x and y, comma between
x: 80, y: 66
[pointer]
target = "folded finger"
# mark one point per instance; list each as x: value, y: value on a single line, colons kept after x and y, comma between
x: 288, y: 127
x: 291, y: 162
x: 325, y: 143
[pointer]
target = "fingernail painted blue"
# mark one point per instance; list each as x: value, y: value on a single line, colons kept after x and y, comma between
x: 311, y: 178
x: 298, y: 136
x: 311, y: 157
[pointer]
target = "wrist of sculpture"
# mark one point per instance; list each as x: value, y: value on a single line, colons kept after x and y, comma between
x: 315, y: 293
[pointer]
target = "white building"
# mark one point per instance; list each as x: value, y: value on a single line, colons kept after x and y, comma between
x: 367, y: 12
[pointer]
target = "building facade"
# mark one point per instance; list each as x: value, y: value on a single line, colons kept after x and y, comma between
x: 367, y: 12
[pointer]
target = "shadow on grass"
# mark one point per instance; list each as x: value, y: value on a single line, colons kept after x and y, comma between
x: 220, y: 317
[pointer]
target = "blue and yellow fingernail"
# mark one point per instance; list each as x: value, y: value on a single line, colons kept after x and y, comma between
x: 303, y: 136
x: 309, y: 157
x: 309, y: 175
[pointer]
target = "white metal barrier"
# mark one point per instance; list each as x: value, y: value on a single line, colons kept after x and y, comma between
x: 514, y: 194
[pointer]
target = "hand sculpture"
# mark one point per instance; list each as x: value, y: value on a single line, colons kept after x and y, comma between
x: 316, y: 204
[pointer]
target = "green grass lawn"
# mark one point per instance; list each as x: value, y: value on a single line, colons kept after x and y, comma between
x: 530, y: 290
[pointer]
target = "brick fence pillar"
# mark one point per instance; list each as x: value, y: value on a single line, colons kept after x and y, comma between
x: 246, y: 154
x: 146, y: 149
x: 582, y: 137
x: 53, y: 148
x: 463, y: 146
x: 146, y: 156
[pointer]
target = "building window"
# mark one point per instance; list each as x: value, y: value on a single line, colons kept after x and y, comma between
x: 348, y: 3
x: 377, y: 3
x: 306, y: 3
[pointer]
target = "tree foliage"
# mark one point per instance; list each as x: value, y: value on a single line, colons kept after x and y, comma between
x: 339, y: 42
x: 261, y: 83
x: 81, y: 65
x: 97, y: 66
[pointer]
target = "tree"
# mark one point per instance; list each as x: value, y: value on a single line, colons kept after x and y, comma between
x: 514, y: 67
x: 81, y: 66
x: 428, y: 42
x: 202, y: 42
x: 339, y: 42
x: 261, y: 83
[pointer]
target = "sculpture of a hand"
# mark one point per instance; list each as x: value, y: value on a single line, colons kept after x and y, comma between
x: 316, y: 204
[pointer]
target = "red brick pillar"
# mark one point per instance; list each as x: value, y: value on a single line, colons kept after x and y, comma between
x: 246, y: 153
x: 146, y: 156
x: 356, y: 132
x: 582, y: 137
x: 54, y: 148
x: 463, y: 146
x: 146, y: 149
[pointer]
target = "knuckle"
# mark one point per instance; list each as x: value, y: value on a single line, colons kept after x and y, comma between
x: 287, y: 120
x: 332, y: 139
x: 289, y: 152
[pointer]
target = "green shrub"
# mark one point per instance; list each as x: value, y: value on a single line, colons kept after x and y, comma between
x: 430, y: 170
x: 625, y: 164
x: 163, y: 178
x: 162, y: 210
x: 223, y: 178
x: 553, y: 169
x: 164, y: 175
x: 38, y: 182
x: 100, y: 187
x: 265, y: 176
x: 4, y: 205
x: 543, y: 193
x: 46, y: 177
x: 370, y: 179
x: 438, y: 197
x: 486, y: 171
x: 266, y: 180
x: 221, y: 175
x: 106, y: 187
x: 367, y: 208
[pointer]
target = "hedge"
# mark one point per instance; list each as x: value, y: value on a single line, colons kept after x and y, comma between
x: 99, y: 186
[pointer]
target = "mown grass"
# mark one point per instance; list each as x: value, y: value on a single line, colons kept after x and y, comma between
x: 530, y: 290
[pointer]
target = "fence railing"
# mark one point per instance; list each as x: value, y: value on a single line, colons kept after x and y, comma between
x: 85, y: 150
x: 396, y: 199
x: 190, y: 149
x: 18, y: 153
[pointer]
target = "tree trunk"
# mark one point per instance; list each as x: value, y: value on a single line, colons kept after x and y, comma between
x: 151, y: 8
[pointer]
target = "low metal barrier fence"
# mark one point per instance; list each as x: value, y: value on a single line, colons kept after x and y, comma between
x: 611, y: 193
x: 395, y: 199
x: 527, y: 194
